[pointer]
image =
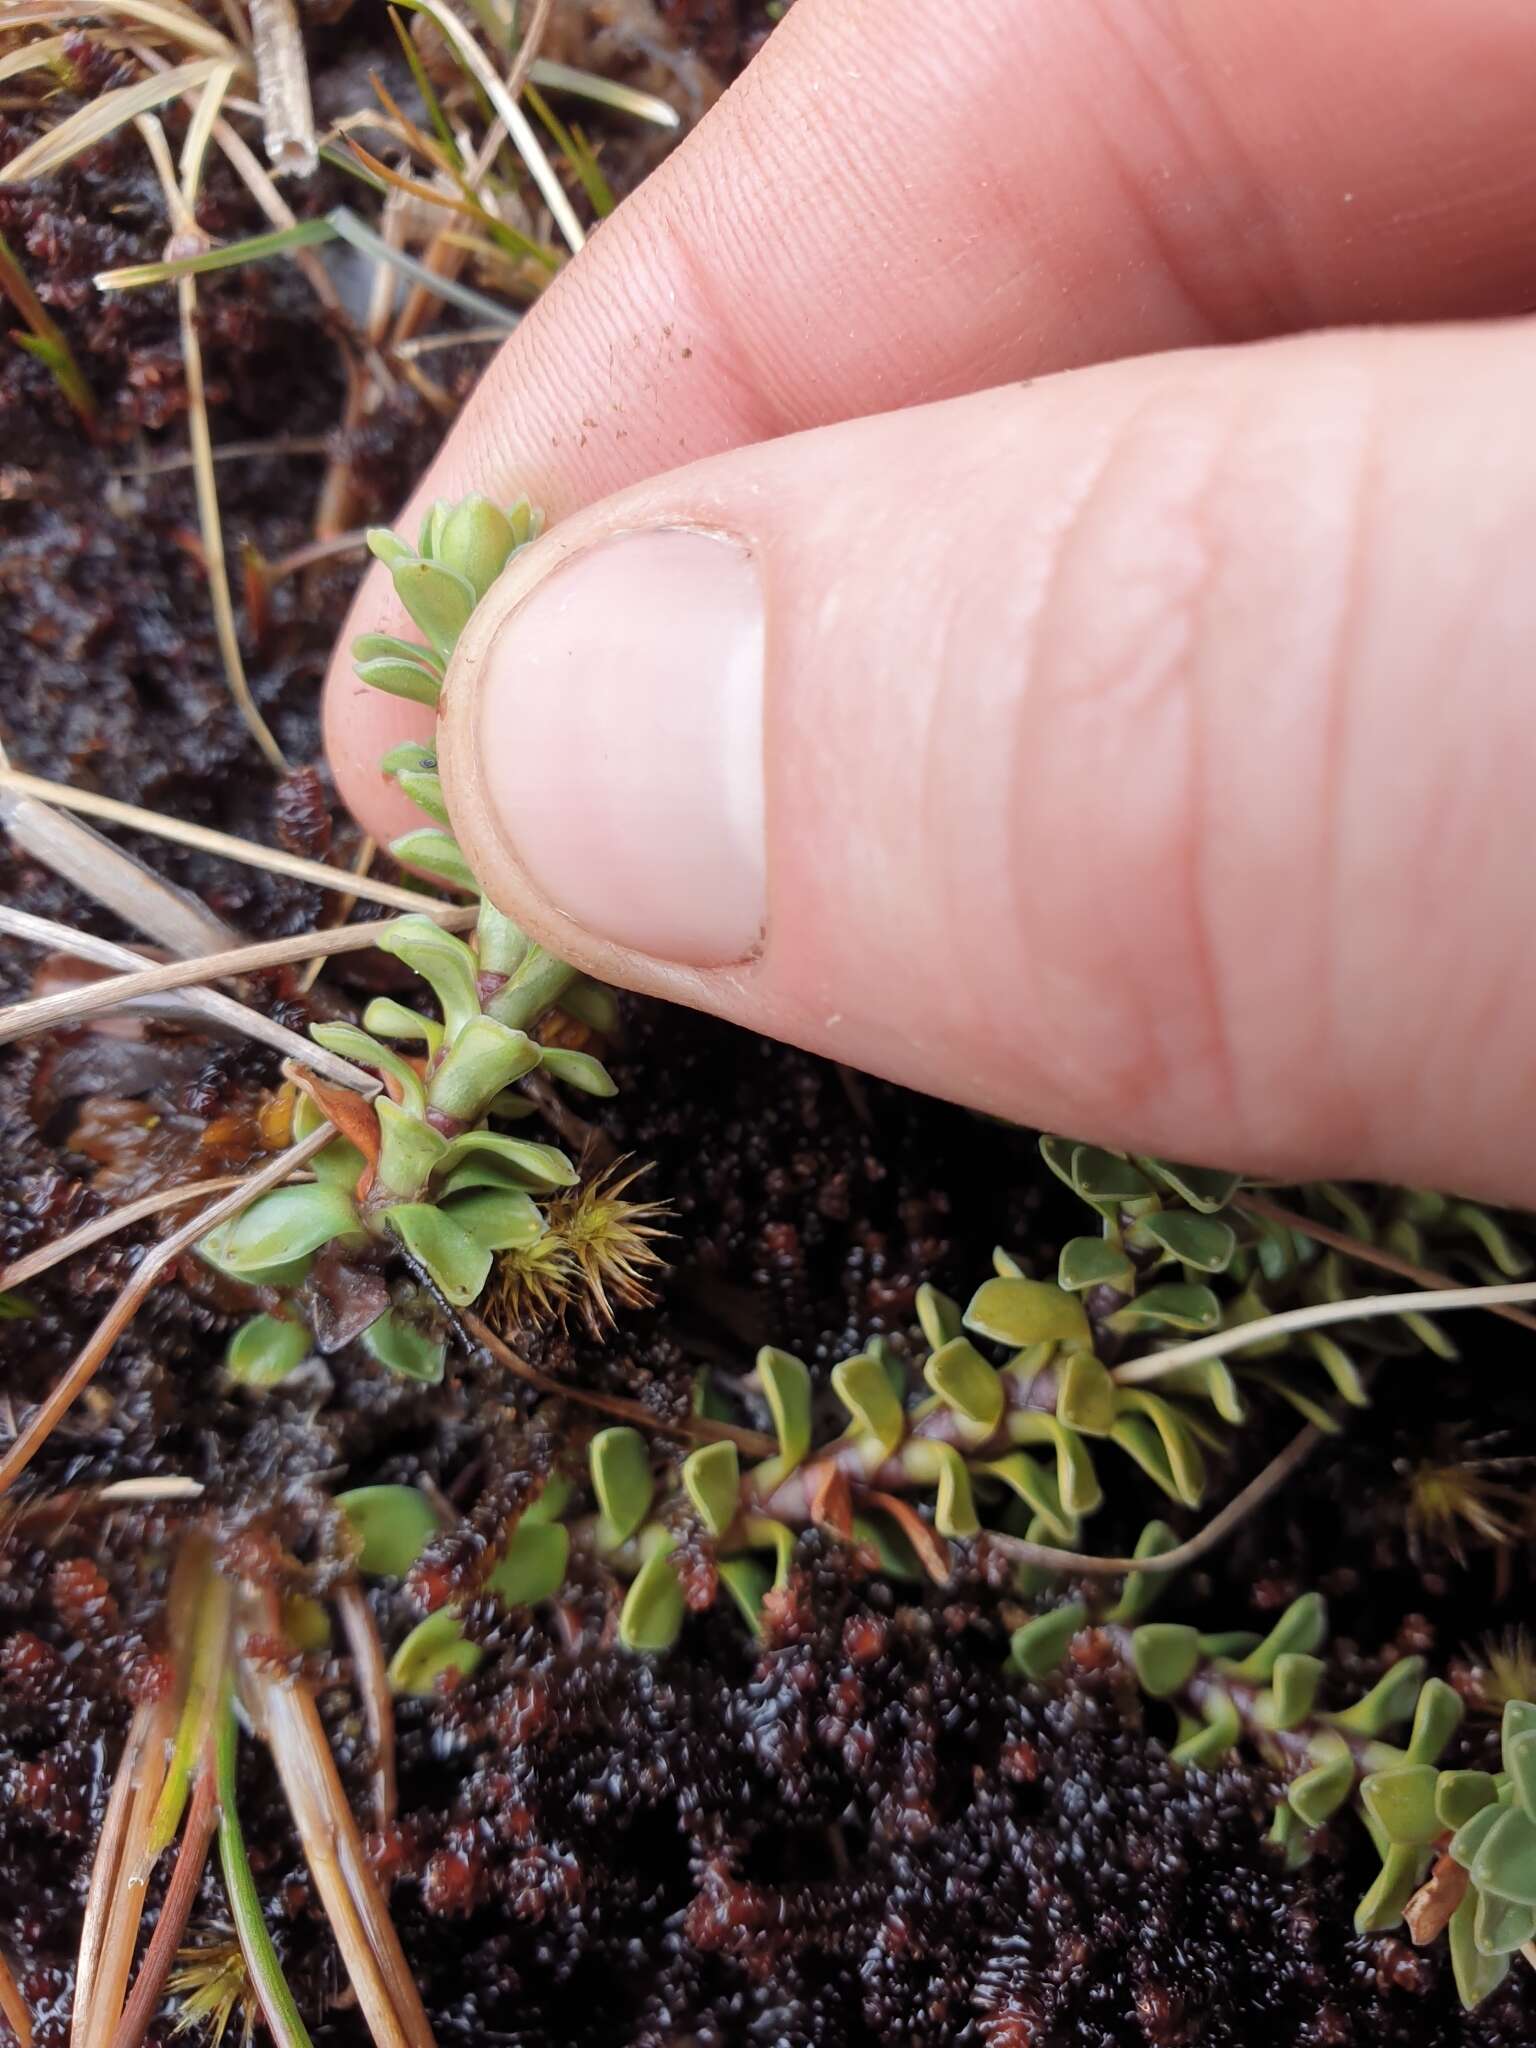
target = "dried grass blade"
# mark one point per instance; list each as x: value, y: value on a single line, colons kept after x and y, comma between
x: 13, y: 2007
x: 277, y: 2002
x: 218, y: 1009
x: 372, y: 1674
x: 604, y: 92
x: 72, y: 1005
x: 166, y: 15
x: 114, y: 1932
x: 333, y: 1849
x: 111, y: 876
x: 61, y: 1248
x: 31, y: 55
x: 175, y: 1912
x: 103, y: 116
x: 184, y: 833
x: 282, y: 81
x: 88, y: 1359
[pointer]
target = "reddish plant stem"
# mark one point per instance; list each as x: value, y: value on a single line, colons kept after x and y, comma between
x: 180, y: 1897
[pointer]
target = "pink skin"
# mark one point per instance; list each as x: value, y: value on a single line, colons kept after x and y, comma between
x: 1144, y: 752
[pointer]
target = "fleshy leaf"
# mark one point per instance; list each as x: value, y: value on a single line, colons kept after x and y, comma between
x: 579, y: 1070
x: 1477, y: 1976
x: 534, y: 1566
x: 1301, y: 1628
x: 498, y: 1219
x: 1175, y: 1305
x: 712, y: 1481
x: 1520, y: 1762
x: 1402, y: 1804
x: 1035, y: 1486
x: 954, y: 1513
x: 397, y: 675
x: 865, y: 1390
x: 1390, y: 1700
x: 389, y: 1526
x: 385, y: 1018
x: 459, y: 1266
x: 1436, y: 1717
x: 1467, y: 1842
x: 1461, y: 1794
x: 444, y: 962
x: 434, y: 1649
x: 787, y: 1387
x: 620, y: 1464
x: 401, y: 1348
x: 748, y: 1583
x: 965, y: 1383
x: 1087, y: 1394
x: 285, y: 1225
x: 435, y: 853
x: 1402, y: 1868
x: 1293, y: 1689
x: 1094, y: 1262
x: 1076, y: 1480
x: 1320, y: 1792
x: 1165, y: 1654
x: 1024, y: 1312
x: 529, y: 1163
x: 1142, y: 1589
x: 475, y: 540
x: 938, y: 1316
x: 265, y: 1350
x: 1105, y: 1179
x: 1204, y: 1242
x: 1501, y: 1926
x: 1201, y: 1186
x: 1040, y: 1645
x: 651, y: 1618
x: 437, y: 599
x: 353, y: 1044
x: 1204, y: 1748
x: 481, y: 1060
x: 409, y: 1149
x: 1506, y: 1862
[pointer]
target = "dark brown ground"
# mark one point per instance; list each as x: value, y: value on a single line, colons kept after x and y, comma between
x: 865, y: 1835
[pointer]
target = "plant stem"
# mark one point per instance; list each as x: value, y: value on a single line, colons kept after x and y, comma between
x: 13, y: 2007
x: 1316, y: 1315
x: 180, y: 1897
x: 372, y: 1672
x: 223, y: 844
x: 277, y: 2002
x: 116, y: 1905
x: 69, y: 1006
x: 1367, y: 1254
x: 43, y: 1420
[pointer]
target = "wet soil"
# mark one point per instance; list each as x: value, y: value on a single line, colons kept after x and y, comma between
x: 862, y: 1834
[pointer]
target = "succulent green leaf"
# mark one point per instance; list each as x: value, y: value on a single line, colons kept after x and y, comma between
x: 340, y: 1162
x: 421, y: 783
x: 938, y: 1316
x: 1205, y: 1747
x: 475, y: 540
x: 435, y: 1649
x: 443, y: 961
x: 411, y: 1353
x: 1510, y: 1259
x: 265, y: 1350
x: 1204, y: 1242
x: 1402, y: 1872
x: 579, y: 1070
x: 1279, y: 1381
x: 1402, y: 1804
x: 1023, y: 1312
x: 1211, y: 1378
x: 482, y: 1061
x: 1094, y: 1262
x: 712, y: 1481
x: 748, y: 1584
x: 361, y: 1046
x: 620, y: 1464
x: 1501, y: 1926
x: 1037, y: 1648
x: 388, y: 548
x: 388, y: 1527
x: 1105, y: 1179
x: 286, y: 1225
x: 1005, y: 1265
x: 1165, y: 1654
x: 1466, y: 1844
x: 1340, y: 1368
x: 1293, y: 1690
x: 1461, y: 1794
x: 651, y: 1618
x: 1086, y: 1396
x: 1477, y: 1975
x: 434, y: 853
x: 386, y: 1018
x: 1301, y: 1629
x: 1520, y: 1762
x: 954, y: 1513
x: 1035, y: 1486
x: 1228, y: 1644
x: 409, y: 1149
x: 458, y: 1265
x: 533, y: 1568
x: 1319, y: 1793
x: 1288, y: 1833
x: 762, y: 1532
x: 1506, y: 1862
x: 1175, y: 1305
x: 1390, y: 1700
x: 1134, y: 1435
x: 864, y: 1388
x: 1436, y: 1717
x: 498, y: 1219
x: 439, y: 600
x: 590, y: 1003
x: 398, y: 676
x: 967, y: 1385
x: 786, y: 1386
x: 1201, y: 1186
x: 511, y: 1107
x: 1142, y: 1590
x: 1076, y: 1481
x: 529, y: 1164
x: 385, y: 646
x: 1186, y: 1462
x: 430, y: 533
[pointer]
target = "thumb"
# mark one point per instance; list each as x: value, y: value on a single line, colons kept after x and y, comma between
x: 1137, y: 753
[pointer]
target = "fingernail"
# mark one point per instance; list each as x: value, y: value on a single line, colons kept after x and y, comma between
x: 621, y: 734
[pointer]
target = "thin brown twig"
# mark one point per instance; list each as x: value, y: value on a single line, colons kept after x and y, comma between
x: 45, y: 1418
x: 1238, y: 1509
x: 693, y: 1428
x: 180, y: 1897
x: 71, y: 1006
x: 224, y: 844
x: 372, y: 1673
x: 121, y: 1901
x: 1367, y: 1254
x: 54, y: 1253
x: 219, y: 1009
